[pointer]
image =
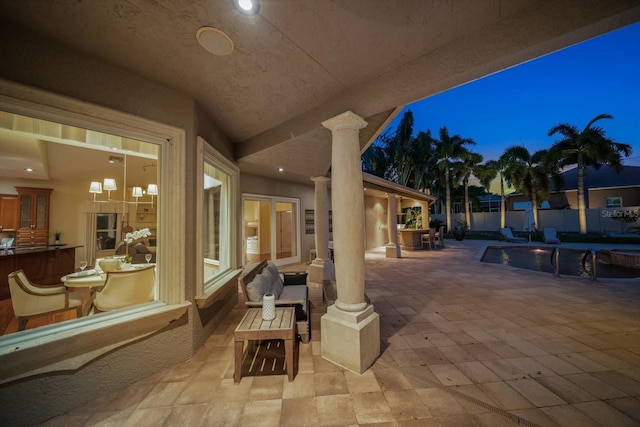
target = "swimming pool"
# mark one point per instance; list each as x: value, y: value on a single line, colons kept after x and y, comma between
x: 540, y: 259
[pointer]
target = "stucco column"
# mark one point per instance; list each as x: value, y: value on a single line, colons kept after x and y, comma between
x: 425, y: 215
x: 350, y: 328
x: 392, y: 248
x: 321, y: 267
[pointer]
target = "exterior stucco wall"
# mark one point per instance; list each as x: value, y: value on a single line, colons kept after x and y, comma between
x: 375, y: 212
x: 597, y: 198
x: 34, y: 62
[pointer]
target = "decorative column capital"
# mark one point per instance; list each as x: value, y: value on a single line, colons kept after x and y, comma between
x: 320, y: 179
x: 346, y: 120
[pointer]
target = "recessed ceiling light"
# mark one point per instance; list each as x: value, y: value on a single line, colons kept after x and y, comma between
x: 214, y: 41
x: 280, y: 169
x: 29, y: 169
x: 247, y: 7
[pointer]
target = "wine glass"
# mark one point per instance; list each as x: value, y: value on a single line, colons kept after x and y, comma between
x: 148, y: 258
x: 83, y: 265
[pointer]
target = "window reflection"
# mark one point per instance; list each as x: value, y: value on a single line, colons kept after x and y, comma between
x: 107, y: 226
x: 271, y: 229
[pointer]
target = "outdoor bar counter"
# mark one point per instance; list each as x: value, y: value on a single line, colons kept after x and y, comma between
x: 44, y: 265
x: 410, y: 238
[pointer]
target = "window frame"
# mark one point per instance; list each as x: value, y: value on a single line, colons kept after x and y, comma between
x: 609, y: 205
x: 217, y: 289
x: 71, y: 344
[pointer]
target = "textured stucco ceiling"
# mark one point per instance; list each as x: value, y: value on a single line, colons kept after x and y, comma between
x: 301, y: 62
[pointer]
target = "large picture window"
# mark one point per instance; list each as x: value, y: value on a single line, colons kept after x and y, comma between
x: 96, y: 191
x: 95, y: 132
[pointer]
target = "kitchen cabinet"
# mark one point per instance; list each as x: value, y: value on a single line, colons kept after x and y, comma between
x: 33, y: 220
x: 8, y: 212
x: 253, y: 245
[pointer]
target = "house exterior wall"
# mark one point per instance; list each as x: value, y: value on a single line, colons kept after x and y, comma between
x: 630, y: 196
x: 375, y: 212
x: 35, y: 62
x: 597, y: 198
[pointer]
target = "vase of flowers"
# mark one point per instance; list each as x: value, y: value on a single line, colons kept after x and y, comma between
x: 131, y: 237
x: 56, y: 237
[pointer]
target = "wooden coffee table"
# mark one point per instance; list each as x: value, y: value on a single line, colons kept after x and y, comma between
x: 252, y: 328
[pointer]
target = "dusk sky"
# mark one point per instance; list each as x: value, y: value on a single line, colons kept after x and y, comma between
x: 519, y: 105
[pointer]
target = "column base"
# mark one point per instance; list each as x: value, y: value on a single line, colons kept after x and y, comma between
x: 393, y: 250
x: 321, y: 269
x: 351, y: 339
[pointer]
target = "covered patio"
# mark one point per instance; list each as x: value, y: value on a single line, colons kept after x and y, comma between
x: 463, y: 343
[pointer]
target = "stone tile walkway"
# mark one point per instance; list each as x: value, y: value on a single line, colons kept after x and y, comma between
x: 463, y: 344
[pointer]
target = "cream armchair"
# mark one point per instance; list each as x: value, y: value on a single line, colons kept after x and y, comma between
x: 126, y: 287
x: 30, y: 300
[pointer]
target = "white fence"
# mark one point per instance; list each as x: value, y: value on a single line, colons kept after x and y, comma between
x: 598, y: 220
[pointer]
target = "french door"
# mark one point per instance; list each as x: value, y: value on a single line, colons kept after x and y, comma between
x: 271, y: 229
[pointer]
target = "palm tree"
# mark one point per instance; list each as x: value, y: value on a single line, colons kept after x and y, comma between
x: 400, y: 149
x: 424, y: 161
x: 487, y: 173
x: 530, y: 174
x: 587, y: 148
x: 374, y: 159
x: 401, y: 158
x: 449, y: 149
x: 468, y: 163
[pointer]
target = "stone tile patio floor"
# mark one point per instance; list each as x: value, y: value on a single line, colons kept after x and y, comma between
x: 463, y: 344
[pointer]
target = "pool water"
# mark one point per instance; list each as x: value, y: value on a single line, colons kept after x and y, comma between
x: 539, y: 259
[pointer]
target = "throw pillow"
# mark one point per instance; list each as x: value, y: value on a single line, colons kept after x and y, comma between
x: 257, y: 288
x: 268, y: 278
x: 278, y: 285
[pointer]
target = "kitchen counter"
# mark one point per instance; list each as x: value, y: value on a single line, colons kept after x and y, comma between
x: 18, y: 250
x: 44, y: 265
x: 410, y: 238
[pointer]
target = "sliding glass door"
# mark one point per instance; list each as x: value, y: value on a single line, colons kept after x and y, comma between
x: 271, y: 229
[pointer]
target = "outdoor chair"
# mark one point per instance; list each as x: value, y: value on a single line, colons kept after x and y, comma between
x: 428, y: 239
x: 509, y: 237
x: 439, y: 237
x: 550, y: 235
